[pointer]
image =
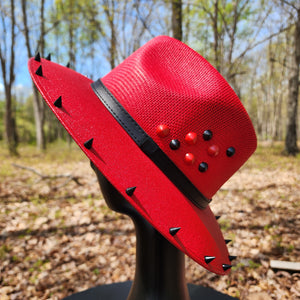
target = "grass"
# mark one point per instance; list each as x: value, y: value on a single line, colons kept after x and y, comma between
x: 270, y: 156
x: 58, y: 152
x: 267, y: 155
x: 4, y: 249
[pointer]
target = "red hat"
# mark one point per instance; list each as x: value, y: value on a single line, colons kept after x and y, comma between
x: 166, y: 130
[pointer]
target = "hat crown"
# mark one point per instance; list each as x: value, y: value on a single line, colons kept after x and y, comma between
x: 167, y: 83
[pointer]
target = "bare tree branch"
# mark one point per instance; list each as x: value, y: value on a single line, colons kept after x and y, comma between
x: 252, y: 46
x: 289, y: 4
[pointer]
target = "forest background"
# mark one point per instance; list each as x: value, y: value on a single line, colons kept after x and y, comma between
x: 57, y: 236
x: 254, y: 44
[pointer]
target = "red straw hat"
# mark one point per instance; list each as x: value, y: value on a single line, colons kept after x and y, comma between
x: 166, y: 130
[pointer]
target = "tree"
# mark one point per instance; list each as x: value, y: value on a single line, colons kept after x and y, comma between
x: 291, y: 147
x: 127, y: 24
x: 177, y: 19
x: 7, y: 59
x: 109, y: 9
x: 228, y: 31
x: 38, y: 104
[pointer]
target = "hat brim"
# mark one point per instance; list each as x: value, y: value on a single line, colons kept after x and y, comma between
x: 121, y: 161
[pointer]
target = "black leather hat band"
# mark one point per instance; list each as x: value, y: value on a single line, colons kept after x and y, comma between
x: 148, y: 146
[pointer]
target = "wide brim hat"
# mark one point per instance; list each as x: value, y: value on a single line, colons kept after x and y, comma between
x: 166, y: 130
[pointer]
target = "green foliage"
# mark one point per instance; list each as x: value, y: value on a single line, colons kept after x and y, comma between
x: 4, y: 249
x: 253, y: 265
x: 80, y: 32
x: 79, y: 26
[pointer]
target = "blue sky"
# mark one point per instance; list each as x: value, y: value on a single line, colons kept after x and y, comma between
x: 97, y: 68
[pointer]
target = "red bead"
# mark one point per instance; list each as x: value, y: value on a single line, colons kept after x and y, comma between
x: 191, y: 138
x: 213, y: 150
x: 162, y: 130
x: 189, y: 158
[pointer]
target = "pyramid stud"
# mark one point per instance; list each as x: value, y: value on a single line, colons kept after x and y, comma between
x: 189, y: 158
x: 130, y: 191
x: 37, y: 57
x: 58, y: 102
x: 39, y: 71
x: 88, y: 144
x: 208, y: 259
x: 162, y: 130
x: 226, y: 267
x: 217, y: 217
x: 227, y: 241
x: 191, y: 138
x: 49, y: 57
x: 174, y: 230
x: 231, y: 257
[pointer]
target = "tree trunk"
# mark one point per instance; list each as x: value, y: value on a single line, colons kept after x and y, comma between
x: 39, y: 119
x: 216, y: 35
x: 110, y: 14
x: 37, y: 103
x: 8, y: 80
x: 177, y: 19
x: 10, y: 123
x: 291, y: 147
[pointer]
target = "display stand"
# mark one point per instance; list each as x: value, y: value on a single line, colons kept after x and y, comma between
x: 160, y: 267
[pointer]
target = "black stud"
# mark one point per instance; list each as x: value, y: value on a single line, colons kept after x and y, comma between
x: 217, y: 217
x: 88, y: 144
x: 37, y: 57
x: 174, y: 144
x: 207, y: 135
x: 231, y: 257
x: 209, y: 259
x: 39, y: 71
x: 130, y: 191
x: 174, y: 230
x: 203, y: 167
x: 227, y: 241
x: 49, y: 57
x: 68, y: 65
x: 58, y: 102
x: 226, y: 267
x: 230, y: 151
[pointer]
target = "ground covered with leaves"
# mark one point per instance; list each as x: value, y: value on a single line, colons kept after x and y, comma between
x: 58, y: 237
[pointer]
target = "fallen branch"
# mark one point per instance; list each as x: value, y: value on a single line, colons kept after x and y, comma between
x: 259, y: 188
x: 69, y: 177
x: 285, y: 265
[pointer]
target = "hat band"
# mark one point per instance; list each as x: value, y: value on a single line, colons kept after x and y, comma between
x: 148, y: 146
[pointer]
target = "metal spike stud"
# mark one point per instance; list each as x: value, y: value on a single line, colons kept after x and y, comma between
x: 217, y: 217
x: 130, y: 191
x: 174, y: 230
x: 208, y: 259
x: 68, y: 65
x: 37, y: 57
x: 88, y: 144
x: 39, y: 71
x: 226, y: 267
x: 231, y: 257
x: 49, y: 57
x: 58, y: 102
x: 227, y: 241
